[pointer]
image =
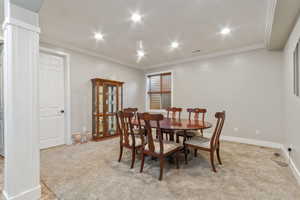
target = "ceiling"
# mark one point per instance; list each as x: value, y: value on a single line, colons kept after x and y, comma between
x: 285, y: 16
x: 195, y: 24
x: 33, y: 5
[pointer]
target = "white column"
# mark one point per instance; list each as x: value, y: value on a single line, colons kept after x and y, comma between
x: 22, y: 157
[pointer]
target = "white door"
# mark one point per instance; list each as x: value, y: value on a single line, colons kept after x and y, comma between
x: 1, y: 103
x: 51, y: 91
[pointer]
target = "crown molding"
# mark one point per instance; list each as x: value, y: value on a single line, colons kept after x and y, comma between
x: 270, y: 21
x: 71, y: 47
x: 209, y: 55
x: 144, y: 68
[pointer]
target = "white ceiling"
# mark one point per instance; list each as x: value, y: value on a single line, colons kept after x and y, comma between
x: 285, y: 16
x: 194, y: 23
x: 33, y: 5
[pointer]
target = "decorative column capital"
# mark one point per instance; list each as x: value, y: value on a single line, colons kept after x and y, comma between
x: 20, y: 24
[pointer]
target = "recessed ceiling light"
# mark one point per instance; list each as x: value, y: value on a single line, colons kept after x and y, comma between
x: 174, y: 45
x: 98, y: 36
x: 140, y: 53
x: 136, y: 17
x: 225, y: 31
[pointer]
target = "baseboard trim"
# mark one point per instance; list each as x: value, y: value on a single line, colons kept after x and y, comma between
x: 292, y: 164
x: 79, y: 133
x: 31, y: 194
x: 249, y: 141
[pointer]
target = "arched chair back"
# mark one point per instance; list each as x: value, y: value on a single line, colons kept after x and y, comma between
x: 132, y: 110
x: 149, y: 119
x: 214, y: 142
x: 173, y: 111
x: 194, y: 113
x: 125, y: 127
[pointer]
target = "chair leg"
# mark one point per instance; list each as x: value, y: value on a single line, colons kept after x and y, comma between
x: 177, y: 138
x: 195, y: 152
x: 133, y: 157
x: 177, y: 160
x: 121, y: 153
x: 185, y: 154
x: 142, y: 161
x: 171, y: 136
x: 212, y: 160
x: 218, y: 156
x: 201, y: 131
x: 161, y: 162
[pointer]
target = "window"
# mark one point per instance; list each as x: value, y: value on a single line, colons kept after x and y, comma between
x: 160, y: 91
x: 296, y: 70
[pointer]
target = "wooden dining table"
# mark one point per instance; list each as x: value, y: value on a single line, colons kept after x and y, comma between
x: 182, y: 124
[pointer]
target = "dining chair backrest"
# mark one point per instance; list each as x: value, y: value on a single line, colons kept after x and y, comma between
x: 173, y: 112
x: 125, y: 127
x: 148, y: 119
x: 214, y: 142
x: 196, y: 112
x: 132, y: 110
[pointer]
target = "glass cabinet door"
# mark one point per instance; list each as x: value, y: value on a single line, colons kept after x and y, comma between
x: 111, y: 108
x: 107, y: 101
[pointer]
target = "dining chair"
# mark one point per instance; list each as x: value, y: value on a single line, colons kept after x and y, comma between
x: 194, y: 114
x: 173, y: 113
x: 132, y: 110
x: 212, y: 144
x: 158, y: 148
x: 127, y: 137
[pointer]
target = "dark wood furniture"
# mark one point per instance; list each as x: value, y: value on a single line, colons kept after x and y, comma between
x: 127, y: 138
x: 183, y: 124
x: 172, y: 113
x: 211, y: 145
x: 132, y: 110
x: 193, y: 114
x: 107, y: 101
x: 135, y: 127
x: 158, y: 148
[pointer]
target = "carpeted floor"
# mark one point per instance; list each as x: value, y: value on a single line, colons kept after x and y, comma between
x: 90, y: 171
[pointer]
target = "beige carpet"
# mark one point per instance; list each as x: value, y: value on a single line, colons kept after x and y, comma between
x: 91, y: 171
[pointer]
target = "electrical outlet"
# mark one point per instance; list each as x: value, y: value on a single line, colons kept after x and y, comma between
x: 257, y: 132
x: 236, y: 129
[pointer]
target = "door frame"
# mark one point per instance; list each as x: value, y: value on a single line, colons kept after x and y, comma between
x: 67, y: 91
x: 2, y: 152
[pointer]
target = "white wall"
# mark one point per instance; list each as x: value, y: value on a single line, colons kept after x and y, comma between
x: 291, y: 102
x: 83, y: 68
x: 247, y: 85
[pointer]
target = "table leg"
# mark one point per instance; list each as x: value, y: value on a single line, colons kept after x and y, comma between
x: 171, y: 136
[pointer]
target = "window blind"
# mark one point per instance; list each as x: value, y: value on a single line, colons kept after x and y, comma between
x: 159, y: 91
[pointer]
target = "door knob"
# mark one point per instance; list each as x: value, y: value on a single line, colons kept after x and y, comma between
x: 62, y: 111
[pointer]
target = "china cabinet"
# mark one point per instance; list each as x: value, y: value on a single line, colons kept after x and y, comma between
x: 107, y: 100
